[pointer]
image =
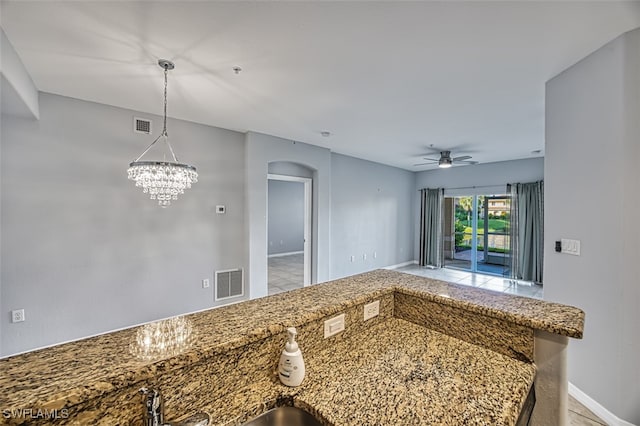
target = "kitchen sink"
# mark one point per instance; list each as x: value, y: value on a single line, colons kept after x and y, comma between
x: 284, y: 416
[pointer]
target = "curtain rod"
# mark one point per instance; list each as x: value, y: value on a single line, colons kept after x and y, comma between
x: 472, y: 187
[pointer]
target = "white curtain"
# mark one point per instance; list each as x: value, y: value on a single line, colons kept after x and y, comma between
x: 527, y: 231
x: 431, y: 227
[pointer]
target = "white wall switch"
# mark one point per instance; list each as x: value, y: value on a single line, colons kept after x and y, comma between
x: 570, y: 246
x: 353, y: 258
x: 364, y: 256
x: 371, y: 310
x: 17, y: 315
x: 375, y: 254
x: 205, y: 283
x: 333, y: 326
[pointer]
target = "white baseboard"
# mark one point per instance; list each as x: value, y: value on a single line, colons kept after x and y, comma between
x: 400, y: 265
x: 285, y: 254
x: 597, y: 409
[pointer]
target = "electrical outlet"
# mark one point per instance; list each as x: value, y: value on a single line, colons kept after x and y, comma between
x: 371, y: 310
x: 205, y: 283
x: 333, y: 326
x: 17, y: 315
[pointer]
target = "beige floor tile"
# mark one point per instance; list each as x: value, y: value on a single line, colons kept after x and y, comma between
x: 489, y: 282
x: 285, y: 273
x: 576, y: 419
x: 581, y: 411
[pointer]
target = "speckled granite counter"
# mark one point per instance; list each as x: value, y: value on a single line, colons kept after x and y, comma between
x: 404, y: 374
x: 238, y: 345
x: 396, y: 373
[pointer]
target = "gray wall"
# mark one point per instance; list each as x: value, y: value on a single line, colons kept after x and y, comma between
x: 289, y: 169
x: 286, y: 217
x: 372, y: 207
x: 486, y: 178
x: 83, y: 250
x: 260, y: 150
x: 592, y: 182
x: 19, y: 94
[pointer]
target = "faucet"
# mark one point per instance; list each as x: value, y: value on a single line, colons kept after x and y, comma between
x: 154, y: 412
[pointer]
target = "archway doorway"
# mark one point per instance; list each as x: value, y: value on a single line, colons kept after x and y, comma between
x: 289, y: 216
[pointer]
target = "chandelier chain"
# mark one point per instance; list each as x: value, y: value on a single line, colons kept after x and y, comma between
x: 164, y: 125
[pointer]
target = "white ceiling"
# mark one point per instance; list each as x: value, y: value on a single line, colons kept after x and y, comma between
x: 387, y: 79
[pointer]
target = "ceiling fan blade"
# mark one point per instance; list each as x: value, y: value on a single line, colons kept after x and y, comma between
x: 425, y: 164
x: 439, y: 150
x: 462, y: 158
x: 432, y: 159
x: 466, y: 162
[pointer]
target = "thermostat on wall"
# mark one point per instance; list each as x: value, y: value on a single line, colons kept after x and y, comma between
x: 221, y: 209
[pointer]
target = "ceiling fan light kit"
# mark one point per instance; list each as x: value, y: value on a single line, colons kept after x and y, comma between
x: 445, y: 161
x: 162, y: 180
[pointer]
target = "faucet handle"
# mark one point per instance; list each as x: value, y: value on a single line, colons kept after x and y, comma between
x: 154, y: 412
x: 199, y: 419
x: 153, y: 407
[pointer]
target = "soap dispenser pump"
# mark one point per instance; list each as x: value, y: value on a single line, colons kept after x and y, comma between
x: 291, y: 368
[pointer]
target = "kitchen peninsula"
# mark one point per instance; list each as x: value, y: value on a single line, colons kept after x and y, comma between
x: 437, y: 353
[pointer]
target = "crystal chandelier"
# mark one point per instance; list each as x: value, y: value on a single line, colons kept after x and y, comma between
x: 162, y: 180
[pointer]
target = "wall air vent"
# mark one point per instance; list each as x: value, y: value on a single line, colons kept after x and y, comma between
x: 229, y: 283
x: 141, y: 125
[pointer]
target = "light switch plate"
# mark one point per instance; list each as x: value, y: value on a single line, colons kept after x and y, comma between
x: 333, y: 326
x: 570, y: 246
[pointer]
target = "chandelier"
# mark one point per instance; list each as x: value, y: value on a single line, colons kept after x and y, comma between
x: 162, y: 180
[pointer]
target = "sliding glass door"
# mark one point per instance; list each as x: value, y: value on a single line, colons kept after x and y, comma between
x: 458, y: 236
x: 477, y: 233
x: 495, y: 235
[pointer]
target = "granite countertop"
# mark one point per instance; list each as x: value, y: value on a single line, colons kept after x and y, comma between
x: 67, y: 374
x: 395, y: 373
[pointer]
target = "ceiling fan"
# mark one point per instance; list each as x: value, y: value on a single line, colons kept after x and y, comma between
x: 445, y: 160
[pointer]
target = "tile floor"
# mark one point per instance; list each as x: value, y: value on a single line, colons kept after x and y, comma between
x: 489, y: 282
x: 579, y: 415
x: 286, y: 273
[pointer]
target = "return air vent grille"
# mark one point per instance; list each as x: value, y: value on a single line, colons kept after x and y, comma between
x: 141, y: 125
x: 229, y: 283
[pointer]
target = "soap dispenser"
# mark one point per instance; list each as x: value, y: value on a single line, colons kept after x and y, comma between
x: 291, y: 368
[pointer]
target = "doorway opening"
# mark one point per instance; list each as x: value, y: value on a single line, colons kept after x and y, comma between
x: 288, y: 232
x: 476, y: 236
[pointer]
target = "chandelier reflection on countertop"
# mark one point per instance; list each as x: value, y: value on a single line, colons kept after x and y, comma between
x: 162, y: 339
